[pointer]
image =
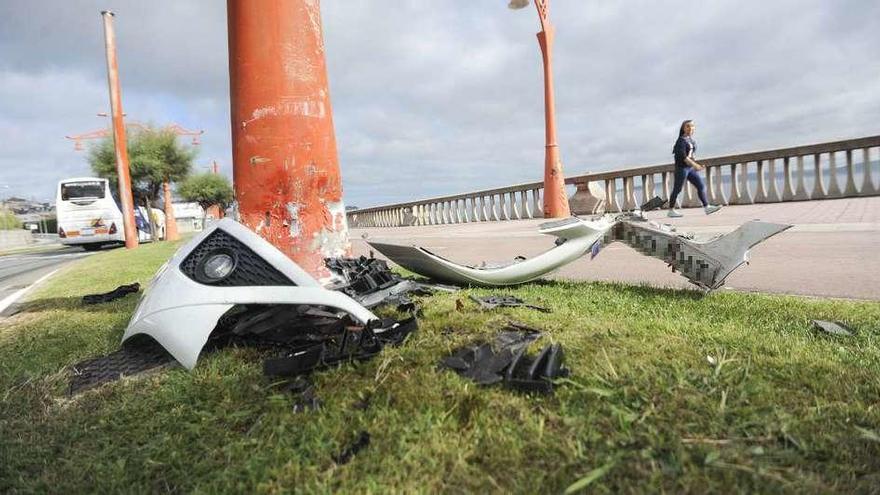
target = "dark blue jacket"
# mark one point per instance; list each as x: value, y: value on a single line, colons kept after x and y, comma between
x: 684, y: 146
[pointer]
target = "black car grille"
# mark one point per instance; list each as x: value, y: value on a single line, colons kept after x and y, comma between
x: 250, y: 269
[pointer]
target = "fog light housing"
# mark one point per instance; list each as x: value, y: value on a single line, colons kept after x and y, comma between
x: 216, y: 266
x: 112, y: 228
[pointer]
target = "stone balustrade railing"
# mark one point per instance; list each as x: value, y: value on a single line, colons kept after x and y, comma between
x: 818, y: 171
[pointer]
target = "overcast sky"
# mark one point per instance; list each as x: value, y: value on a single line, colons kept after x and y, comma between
x: 436, y: 97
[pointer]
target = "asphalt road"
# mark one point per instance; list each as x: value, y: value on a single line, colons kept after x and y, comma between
x: 19, y: 271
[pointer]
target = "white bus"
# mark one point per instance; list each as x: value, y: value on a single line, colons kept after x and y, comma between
x: 89, y: 216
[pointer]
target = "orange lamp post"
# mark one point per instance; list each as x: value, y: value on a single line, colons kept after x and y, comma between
x: 122, y: 170
x: 555, y: 198
x: 286, y: 175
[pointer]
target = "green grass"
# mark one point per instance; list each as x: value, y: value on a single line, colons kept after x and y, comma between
x: 783, y: 409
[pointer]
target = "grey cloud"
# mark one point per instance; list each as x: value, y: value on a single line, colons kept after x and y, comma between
x: 436, y: 97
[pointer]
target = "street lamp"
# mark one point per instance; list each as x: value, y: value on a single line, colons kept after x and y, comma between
x: 555, y: 199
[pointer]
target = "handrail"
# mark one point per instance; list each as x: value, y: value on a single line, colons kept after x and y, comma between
x: 730, y: 180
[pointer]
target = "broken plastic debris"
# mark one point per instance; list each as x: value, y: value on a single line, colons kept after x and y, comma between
x: 119, y: 292
x: 833, y: 328
x: 504, y: 360
x: 492, y: 302
x: 653, y: 204
x: 136, y: 356
x: 304, y: 355
x: 370, y: 282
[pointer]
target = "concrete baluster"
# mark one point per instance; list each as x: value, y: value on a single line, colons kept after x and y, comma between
x: 850, y: 189
x: 505, y: 208
x: 648, y: 186
x: 819, y: 191
x: 666, y: 184
x: 868, y: 187
x: 711, y: 193
x: 833, y: 186
x: 524, y: 203
x: 538, y: 205
x: 745, y: 189
x: 513, y: 205
x: 761, y: 194
x: 721, y: 195
x: 611, y: 203
x: 800, y: 192
x: 493, y: 212
x: 629, y: 200
x: 772, y: 184
x: 787, y: 183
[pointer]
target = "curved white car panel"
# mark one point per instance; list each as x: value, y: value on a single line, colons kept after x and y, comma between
x: 180, y: 313
x: 705, y: 263
x: 579, y: 236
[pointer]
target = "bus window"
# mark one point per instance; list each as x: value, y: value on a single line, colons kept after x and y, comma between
x: 85, y: 189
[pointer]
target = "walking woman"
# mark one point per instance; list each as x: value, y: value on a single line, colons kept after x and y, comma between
x: 687, y: 169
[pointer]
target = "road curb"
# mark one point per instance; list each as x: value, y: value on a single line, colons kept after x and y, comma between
x: 15, y: 296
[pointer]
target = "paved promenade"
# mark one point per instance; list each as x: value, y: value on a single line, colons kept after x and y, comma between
x: 832, y: 251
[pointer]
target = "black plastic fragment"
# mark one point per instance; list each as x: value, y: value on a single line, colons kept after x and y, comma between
x: 121, y: 291
x: 495, y: 301
x: 354, y: 344
x: 138, y: 355
x: 345, y: 456
x: 654, y: 203
x: 371, y: 283
x: 505, y: 361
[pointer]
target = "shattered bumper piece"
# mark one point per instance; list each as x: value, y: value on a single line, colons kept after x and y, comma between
x: 575, y: 238
x: 226, y: 265
x: 117, y: 293
x: 705, y: 263
x: 504, y: 360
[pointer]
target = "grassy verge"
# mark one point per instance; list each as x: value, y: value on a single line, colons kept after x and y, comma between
x: 782, y: 409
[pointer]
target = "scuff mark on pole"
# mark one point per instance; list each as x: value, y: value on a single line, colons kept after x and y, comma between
x: 285, y: 162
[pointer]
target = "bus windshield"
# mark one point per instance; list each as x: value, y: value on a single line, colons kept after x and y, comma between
x: 86, y: 189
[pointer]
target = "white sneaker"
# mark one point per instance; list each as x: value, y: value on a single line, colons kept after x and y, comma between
x: 673, y: 213
x: 710, y: 209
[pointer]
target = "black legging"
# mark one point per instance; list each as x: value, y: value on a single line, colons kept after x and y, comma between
x: 693, y: 176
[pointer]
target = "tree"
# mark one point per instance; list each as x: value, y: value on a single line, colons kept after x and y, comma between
x: 155, y: 158
x: 207, y: 190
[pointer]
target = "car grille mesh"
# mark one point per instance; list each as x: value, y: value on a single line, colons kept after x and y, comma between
x: 250, y: 269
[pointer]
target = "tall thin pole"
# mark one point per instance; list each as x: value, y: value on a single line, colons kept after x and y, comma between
x: 122, y: 170
x: 288, y: 186
x: 555, y: 198
x: 171, y: 232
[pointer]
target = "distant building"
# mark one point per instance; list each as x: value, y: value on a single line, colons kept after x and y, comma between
x: 190, y: 217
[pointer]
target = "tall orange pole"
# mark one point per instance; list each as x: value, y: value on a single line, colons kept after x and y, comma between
x: 122, y: 170
x: 555, y: 198
x: 287, y: 183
